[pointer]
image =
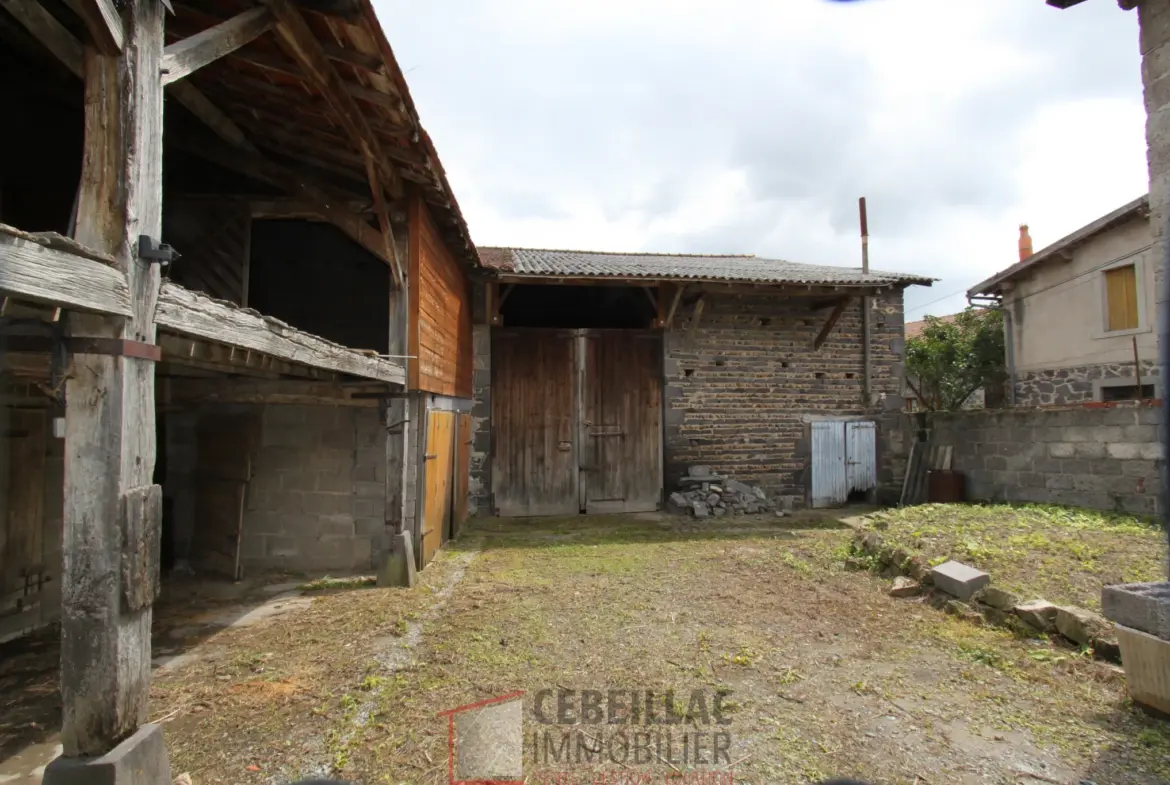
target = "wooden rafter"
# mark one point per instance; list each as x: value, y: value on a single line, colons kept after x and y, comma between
x: 183, y: 58
x: 831, y: 322
x: 302, y: 45
x: 391, y: 247
x: 104, y: 24
x: 668, y: 322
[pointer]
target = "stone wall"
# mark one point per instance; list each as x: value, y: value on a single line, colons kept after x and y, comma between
x: 1074, y: 385
x: 1154, y: 42
x: 1104, y: 457
x: 740, y: 392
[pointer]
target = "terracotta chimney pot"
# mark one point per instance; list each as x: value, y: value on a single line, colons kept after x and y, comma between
x: 1025, y: 242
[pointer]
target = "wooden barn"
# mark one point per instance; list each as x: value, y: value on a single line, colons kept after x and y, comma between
x: 235, y: 328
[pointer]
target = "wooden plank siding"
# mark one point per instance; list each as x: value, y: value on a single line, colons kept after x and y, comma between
x: 440, y: 312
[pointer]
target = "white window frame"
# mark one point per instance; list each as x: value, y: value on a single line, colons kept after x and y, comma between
x: 1139, y: 273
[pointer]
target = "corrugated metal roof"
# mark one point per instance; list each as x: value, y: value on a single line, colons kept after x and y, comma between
x: 538, y: 262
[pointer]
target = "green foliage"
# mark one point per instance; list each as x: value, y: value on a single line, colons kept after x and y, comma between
x: 952, y: 359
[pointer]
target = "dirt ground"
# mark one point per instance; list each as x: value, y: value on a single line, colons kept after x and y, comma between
x: 821, y: 672
x: 827, y: 675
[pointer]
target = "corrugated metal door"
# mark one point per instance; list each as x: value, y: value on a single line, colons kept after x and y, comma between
x: 829, y: 480
x: 534, y: 456
x: 621, y: 438
x: 437, y: 478
x: 861, y: 455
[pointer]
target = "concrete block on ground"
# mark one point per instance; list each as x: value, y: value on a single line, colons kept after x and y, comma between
x: 139, y: 760
x: 1081, y: 626
x: 958, y: 579
x: 1000, y: 599
x: 1146, y: 660
x: 1037, y: 614
x: 1139, y: 606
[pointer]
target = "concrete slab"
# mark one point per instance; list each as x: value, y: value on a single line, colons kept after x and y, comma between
x: 139, y: 760
x: 958, y: 579
x: 1139, y: 606
x: 1146, y: 660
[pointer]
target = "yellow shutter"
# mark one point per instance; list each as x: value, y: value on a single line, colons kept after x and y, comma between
x: 1121, y: 296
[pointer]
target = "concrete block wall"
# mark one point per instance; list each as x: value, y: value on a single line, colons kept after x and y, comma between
x: 740, y: 392
x: 480, y: 485
x: 317, y: 499
x: 1100, y: 457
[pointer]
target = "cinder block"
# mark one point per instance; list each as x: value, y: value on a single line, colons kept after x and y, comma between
x: 369, y: 490
x: 958, y: 579
x: 1152, y: 451
x: 281, y: 547
x: 1061, y: 450
x: 1140, y: 606
x: 333, y: 482
x: 1090, y: 450
x: 139, y: 760
x: 1124, y: 451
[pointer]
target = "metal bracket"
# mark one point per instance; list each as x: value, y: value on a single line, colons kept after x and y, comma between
x: 155, y: 251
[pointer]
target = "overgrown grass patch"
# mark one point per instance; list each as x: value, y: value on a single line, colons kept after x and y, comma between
x: 1062, y: 554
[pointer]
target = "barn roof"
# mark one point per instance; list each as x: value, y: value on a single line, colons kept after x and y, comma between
x: 546, y: 263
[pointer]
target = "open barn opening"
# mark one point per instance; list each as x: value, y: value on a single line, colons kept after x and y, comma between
x: 566, y: 306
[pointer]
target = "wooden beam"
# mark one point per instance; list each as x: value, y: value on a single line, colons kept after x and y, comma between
x: 831, y: 322
x: 183, y: 58
x: 678, y: 293
x: 209, y: 114
x: 190, y: 313
x: 193, y: 392
x: 383, y: 214
x: 44, y: 27
x: 302, y: 45
x: 30, y: 269
x: 697, y: 316
x: 104, y: 24
x: 373, y: 96
x: 371, y: 63
x: 112, y: 509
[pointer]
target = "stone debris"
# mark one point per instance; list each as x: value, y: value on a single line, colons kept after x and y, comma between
x: 702, y: 494
x: 1037, y: 614
x: 1081, y: 626
x: 1000, y: 599
x: 905, y: 587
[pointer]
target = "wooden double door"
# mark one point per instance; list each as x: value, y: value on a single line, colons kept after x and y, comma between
x: 446, y: 477
x: 576, y: 421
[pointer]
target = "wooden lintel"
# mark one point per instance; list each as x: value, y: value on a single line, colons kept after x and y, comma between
x: 183, y: 58
x: 275, y: 391
x: 104, y: 24
x: 190, y: 313
x: 32, y: 270
x: 302, y: 45
x: 831, y: 322
x: 697, y: 316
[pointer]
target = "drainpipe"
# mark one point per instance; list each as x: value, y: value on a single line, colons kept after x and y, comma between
x: 865, y: 309
x: 1163, y: 323
x: 1009, y: 332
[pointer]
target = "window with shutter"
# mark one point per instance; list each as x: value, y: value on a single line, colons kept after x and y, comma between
x: 1121, y: 298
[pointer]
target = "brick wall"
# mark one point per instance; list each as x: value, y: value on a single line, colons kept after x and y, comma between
x: 1105, y: 458
x: 318, y: 492
x: 740, y: 393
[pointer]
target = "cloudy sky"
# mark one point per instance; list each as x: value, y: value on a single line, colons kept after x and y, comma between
x: 752, y: 126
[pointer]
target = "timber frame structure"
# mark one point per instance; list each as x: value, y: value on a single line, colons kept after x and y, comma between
x: 293, y: 112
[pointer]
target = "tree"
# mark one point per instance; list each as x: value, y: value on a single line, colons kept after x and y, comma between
x: 952, y: 358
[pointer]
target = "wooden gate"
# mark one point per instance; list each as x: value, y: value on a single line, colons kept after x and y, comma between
x: 22, y: 564
x: 439, y: 461
x: 534, y: 465
x: 576, y: 421
x: 621, y: 439
x: 223, y: 466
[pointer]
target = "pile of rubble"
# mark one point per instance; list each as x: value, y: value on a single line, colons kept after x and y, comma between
x: 702, y: 493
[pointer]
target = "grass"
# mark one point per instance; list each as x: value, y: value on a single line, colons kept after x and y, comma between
x: 827, y: 675
x: 1060, y: 554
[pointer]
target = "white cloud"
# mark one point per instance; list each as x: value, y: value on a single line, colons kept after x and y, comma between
x: 752, y: 126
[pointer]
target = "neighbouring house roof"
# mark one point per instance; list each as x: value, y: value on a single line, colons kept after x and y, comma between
x: 548, y: 263
x: 1063, y: 246
x: 914, y: 329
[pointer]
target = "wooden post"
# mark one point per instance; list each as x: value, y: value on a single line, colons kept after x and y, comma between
x: 111, y: 506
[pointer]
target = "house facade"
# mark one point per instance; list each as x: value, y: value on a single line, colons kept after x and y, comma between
x: 602, y: 378
x: 1079, y: 315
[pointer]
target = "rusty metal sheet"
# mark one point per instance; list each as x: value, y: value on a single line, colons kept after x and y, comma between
x: 829, y: 481
x: 860, y: 456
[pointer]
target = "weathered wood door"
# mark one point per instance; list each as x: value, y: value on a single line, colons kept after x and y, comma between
x: 225, y: 444
x: 437, y: 479
x: 462, y: 471
x: 621, y: 438
x: 860, y: 456
x: 534, y: 466
x: 22, y: 566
